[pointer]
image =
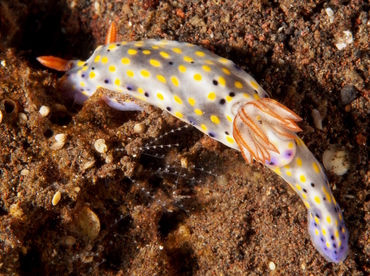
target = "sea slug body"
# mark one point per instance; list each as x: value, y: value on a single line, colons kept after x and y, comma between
x: 224, y: 102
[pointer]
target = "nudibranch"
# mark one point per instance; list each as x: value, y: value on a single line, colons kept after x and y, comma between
x: 224, y: 102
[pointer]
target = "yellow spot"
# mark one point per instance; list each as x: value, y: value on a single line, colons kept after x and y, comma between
x: 191, y: 101
x: 229, y: 118
x: 82, y: 84
x: 199, y: 54
x: 160, y: 96
x: 154, y: 63
x: 256, y: 96
x: 125, y: 60
x: 324, y: 232
x: 112, y: 68
x: 317, y: 232
x: 327, y: 244
x: 81, y: 63
x: 211, y: 96
x: 327, y: 195
x: 254, y: 85
x: 334, y: 201
x: 161, y: 78
x: 224, y: 60
x: 146, y: 52
x: 315, y: 167
x: 299, y: 162
x: 175, y: 81
x: 132, y: 52
x: 104, y: 60
x: 117, y: 82
x: 179, y: 114
x: 286, y: 166
x: 238, y: 85
x: 177, y: 50
x: 298, y: 187
x: 144, y: 73
x: 155, y: 47
x: 298, y: 141
x: 198, y: 112
x: 203, y: 127
x: 288, y: 173
x: 226, y: 71
x: 336, y: 222
x: 97, y: 58
x: 112, y: 46
x: 304, y: 196
x: 222, y: 81
x: 198, y: 77
x: 230, y: 140
x: 302, y: 178
x: 307, y: 205
x: 290, y: 145
x: 206, y: 68
x: 130, y: 73
x: 84, y: 68
x: 343, y: 230
x: 328, y: 219
x: 209, y: 62
x: 139, y: 44
x: 215, y: 119
x: 188, y: 59
x: 229, y: 99
x: 85, y: 93
x: 317, y: 200
x: 92, y: 74
x: 337, y: 234
x: 163, y: 42
x: 177, y: 99
x: 339, y: 243
x: 277, y: 171
x: 340, y: 216
x: 164, y: 54
x: 246, y: 95
x: 317, y: 221
x: 140, y: 90
x: 182, y: 68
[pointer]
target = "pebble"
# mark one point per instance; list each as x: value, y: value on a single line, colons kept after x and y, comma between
x: 348, y: 94
x: 1, y: 116
x: 100, y: 146
x: 69, y: 240
x: 25, y: 172
x: 56, y: 198
x: 317, y: 118
x: 44, y: 110
x: 88, y: 222
x: 330, y: 14
x: 336, y: 160
x: 22, y: 116
x: 60, y: 141
x: 272, y: 266
x: 343, y: 40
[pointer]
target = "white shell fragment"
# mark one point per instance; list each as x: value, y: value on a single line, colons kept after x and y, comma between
x: 22, y: 117
x: 1, y: 116
x: 60, y: 141
x: 56, y: 198
x: 139, y: 128
x: 44, y: 110
x: 272, y: 266
x: 88, y: 164
x: 25, y: 172
x: 336, y: 160
x: 317, y: 118
x: 330, y: 14
x: 100, y: 146
x: 343, y: 40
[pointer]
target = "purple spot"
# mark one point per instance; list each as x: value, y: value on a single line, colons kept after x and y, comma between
x: 288, y: 153
x: 211, y: 134
x: 106, y: 81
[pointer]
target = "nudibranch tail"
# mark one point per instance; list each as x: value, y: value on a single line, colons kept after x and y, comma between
x: 325, y: 219
x: 259, y: 123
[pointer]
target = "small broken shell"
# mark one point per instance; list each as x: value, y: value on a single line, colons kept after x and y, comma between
x: 44, y: 110
x: 60, y: 141
x: 100, y: 146
x: 56, y: 198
